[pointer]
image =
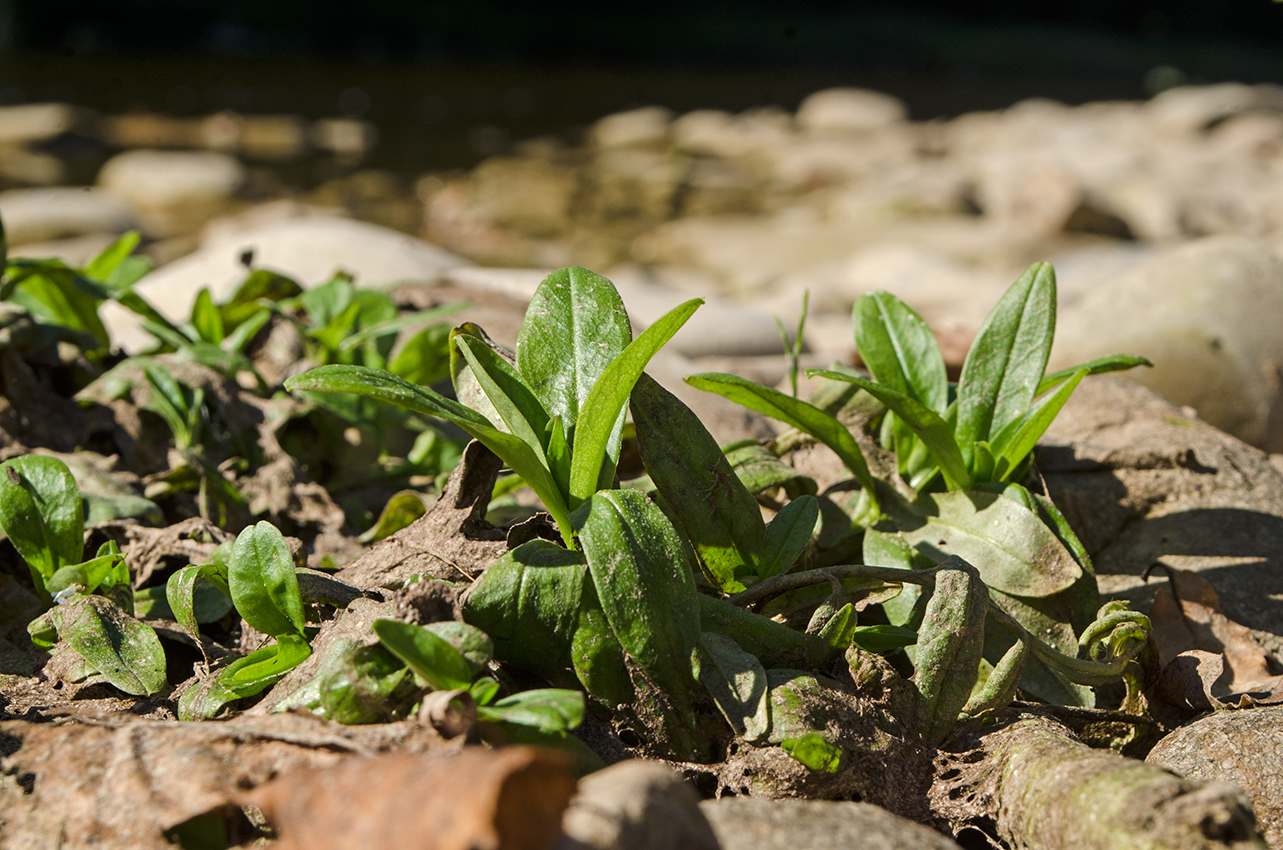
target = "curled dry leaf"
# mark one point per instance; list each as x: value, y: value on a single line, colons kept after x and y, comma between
x: 1208, y: 660
x: 478, y: 799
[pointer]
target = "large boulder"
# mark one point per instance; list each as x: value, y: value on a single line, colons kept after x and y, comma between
x: 39, y: 215
x: 173, y: 192
x: 1206, y: 314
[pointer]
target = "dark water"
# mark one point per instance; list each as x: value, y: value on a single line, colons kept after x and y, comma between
x: 433, y: 117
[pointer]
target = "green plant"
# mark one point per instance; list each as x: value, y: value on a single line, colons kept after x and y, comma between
x: 258, y: 576
x: 42, y: 514
x: 555, y: 416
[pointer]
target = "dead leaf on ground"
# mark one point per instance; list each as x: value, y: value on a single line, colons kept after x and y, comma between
x: 121, y: 781
x: 1208, y: 660
x: 478, y: 799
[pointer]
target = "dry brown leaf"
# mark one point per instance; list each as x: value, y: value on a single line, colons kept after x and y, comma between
x: 122, y: 781
x: 1208, y: 660
x: 478, y: 799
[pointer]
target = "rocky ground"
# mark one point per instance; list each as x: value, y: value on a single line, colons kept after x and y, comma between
x: 1164, y: 220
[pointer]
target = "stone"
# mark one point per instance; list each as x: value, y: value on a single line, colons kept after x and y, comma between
x: 849, y: 110
x: 636, y: 805
x: 151, y: 130
x: 1194, y: 108
x: 75, y: 251
x: 712, y: 132
x: 173, y: 192
x: 742, y: 823
x: 1142, y: 481
x: 38, y: 215
x: 633, y: 184
x: 36, y: 122
x: 1204, y: 313
x: 529, y: 195
x: 347, y: 138
x: 274, y: 137
x: 1244, y: 747
x: 310, y: 250
x: 646, y: 127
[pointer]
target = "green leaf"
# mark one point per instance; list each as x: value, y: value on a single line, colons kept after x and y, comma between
x: 360, y: 685
x: 260, y: 285
x: 400, y: 511
x: 642, y: 572
x: 550, y: 710
x: 575, y: 326
x: 814, y: 751
x: 125, y: 651
x: 884, y: 547
x: 761, y: 471
x: 430, y: 656
x: 737, y: 683
x: 929, y: 426
x: 1099, y: 366
x: 182, y: 590
x: 595, y: 445
x: 528, y: 602
x: 801, y: 415
x: 59, y: 295
x: 107, y: 570
x: 265, y: 667
x: 101, y: 266
x: 260, y: 577
x: 558, y: 454
x: 1011, y: 546
x: 1005, y: 363
x: 473, y: 644
x: 883, y: 638
x: 1014, y: 443
x: 597, y: 658
x: 425, y: 357
x: 329, y: 301
x: 206, y: 319
x: 708, y: 503
x: 378, y: 384
x: 516, y: 405
x: 899, y: 349
x: 385, y: 327
x: 41, y: 513
x: 788, y: 534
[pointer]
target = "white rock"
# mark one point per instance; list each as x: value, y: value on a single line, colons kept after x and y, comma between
x: 1193, y: 108
x: 646, y: 127
x: 310, y: 250
x: 848, y: 110
x: 1207, y: 314
x: 75, y: 251
x: 150, y: 178
x: 38, y: 121
x: 711, y: 132
x: 38, y: 215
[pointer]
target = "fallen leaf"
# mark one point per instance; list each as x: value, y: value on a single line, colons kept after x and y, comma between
x: 478, y: 799
x: 1208, y: 660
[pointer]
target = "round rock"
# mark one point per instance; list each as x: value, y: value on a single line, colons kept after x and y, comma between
x: 762, y: 824
x: 38, y: 215
x: 849, y: 110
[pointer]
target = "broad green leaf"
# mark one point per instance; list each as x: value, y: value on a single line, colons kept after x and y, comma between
x: 814, y: 751
x: 398, y: 512
x: 265, y: 667
x: 595, y: 445
x: 327, y: 302
x: 708, y: 503
x: 360, y: 685
x: 260, y: 577
x: 206, y: 319
x: 930, y: 426
x: 474, y: 645
x: 125, y: 651
x: 385, y: 386
x: 761, y: 471
x: 599, y: 661
x: 425, y: 357
x: 899, y: 349
x: 775, y: 643
x: 528, y: 602
x: 885, y: 547
x: 430, y: 656
x: 41, y: 513
x: 883, y: 638
x: 1005, y: 363
x: 484, y: 690
x: 370, y: 332
x: 260, y: 285
x: 62, y: 297
x: 101, y: 266
x: 1099, y: 366
x: 1011, y: 546
x: 558, y: 454
x: 1014, y: 443
x: 642, y: 572
x: 736, y: 681
x: 550, y: 710
x: 575, y: 326
x: 196, y: 598
x: 791, y: 411
x: 515, y: 404
x: 107, y: 569
x: 834, y: 637
x: 788, y: 534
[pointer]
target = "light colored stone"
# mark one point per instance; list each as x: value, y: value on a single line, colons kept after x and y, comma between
x: 1206, y: 314
x: 530, y: 195
x: 36, y: 122
x: 1193, y: 108
x: 151, y: 130
x: 636, y: 805
x: 310, y: 250
x: 646, y: 127
x: 75, y: 251
x: 711, y: 132
x: 151, y: 178
x: 346, y: 138
x: 632, y: 183
x: 849, y: 110
x: 755, y: 823
x: 39, y: 215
